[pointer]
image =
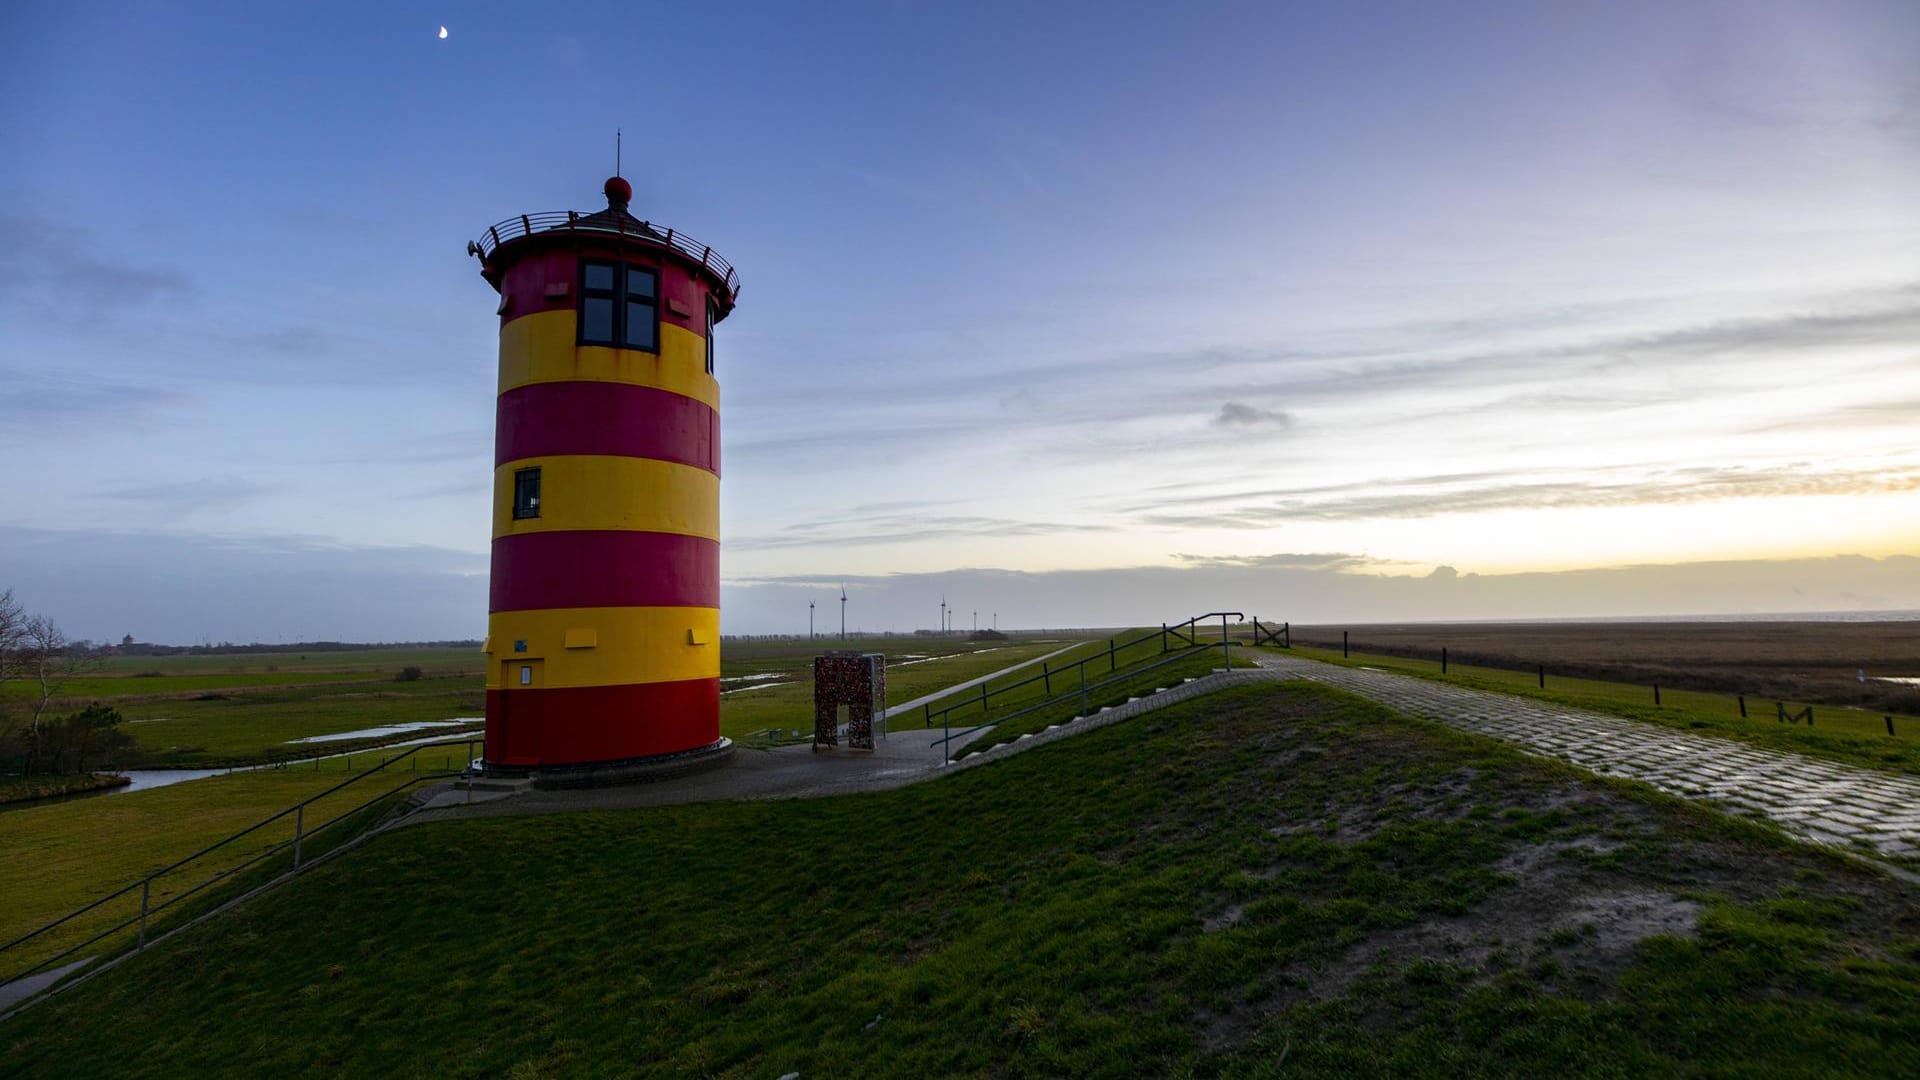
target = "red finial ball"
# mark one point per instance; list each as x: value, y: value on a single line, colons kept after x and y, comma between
x: 619, y: 192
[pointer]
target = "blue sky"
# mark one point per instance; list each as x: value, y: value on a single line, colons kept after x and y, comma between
x: 1056, y: 294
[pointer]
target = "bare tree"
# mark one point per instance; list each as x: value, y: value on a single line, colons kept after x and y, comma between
x: 13, y: 629
x: 49, y: 660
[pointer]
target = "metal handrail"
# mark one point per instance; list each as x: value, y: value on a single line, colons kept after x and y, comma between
x: 1047, y: 674
x: 947, y: 735
x: 301, y: 834
x: 573, y: 221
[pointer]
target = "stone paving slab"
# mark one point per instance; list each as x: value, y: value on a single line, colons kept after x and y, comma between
x: 1824, y: 801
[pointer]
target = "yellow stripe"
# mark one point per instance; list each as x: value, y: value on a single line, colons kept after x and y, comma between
x: 541, y: 348
x: 633, y: 644
x: 591, y: 491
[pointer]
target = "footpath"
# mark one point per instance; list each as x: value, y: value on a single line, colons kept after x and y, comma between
x: 1819, y: 800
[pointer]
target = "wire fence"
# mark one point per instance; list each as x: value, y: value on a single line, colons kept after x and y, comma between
x: 1545, y: 676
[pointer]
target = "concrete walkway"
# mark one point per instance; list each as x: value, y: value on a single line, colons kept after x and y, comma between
x: 1819, y: 800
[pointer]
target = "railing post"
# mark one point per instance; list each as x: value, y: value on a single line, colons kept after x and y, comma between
x: 926, y: 720
x: 985, y: 709
x: 299, y: 832
x: 1110, y: 659
x: 145, y: 891
x: 1163, y: 637
x: 1083, y: 688
x: 946, y: 736
x: 1226, y: 645
x: 1046, y: 679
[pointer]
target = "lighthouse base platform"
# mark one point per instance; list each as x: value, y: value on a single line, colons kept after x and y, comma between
x: 611, y: 773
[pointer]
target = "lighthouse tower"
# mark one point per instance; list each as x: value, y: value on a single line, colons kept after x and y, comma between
x: 603, y: 631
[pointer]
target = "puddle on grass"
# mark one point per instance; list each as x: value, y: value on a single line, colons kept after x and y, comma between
x: 755, y: 686
x: 1904, y: 680
x: 388, y: 729
x: 147, y: 779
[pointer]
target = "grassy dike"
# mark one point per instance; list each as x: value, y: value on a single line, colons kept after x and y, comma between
x: 1277, y: 879
x: 1839, y: 734
x: 85, y: 849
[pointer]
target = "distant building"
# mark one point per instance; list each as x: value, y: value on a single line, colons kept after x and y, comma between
x: 604, y: 623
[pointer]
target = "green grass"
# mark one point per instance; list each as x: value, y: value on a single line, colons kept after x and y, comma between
x: 24, y: 789
x: 64, y: 855
x: 260, y: 726
x: 126, y: 835
x: 1238, y: 886
x: 192, y: 716
x: 441, y: 659
x: 1032, y: 718
x: 1838, y: 734
x: 789, y: 705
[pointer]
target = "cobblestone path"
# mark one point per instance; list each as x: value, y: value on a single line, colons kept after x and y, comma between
x: 1820, y: 800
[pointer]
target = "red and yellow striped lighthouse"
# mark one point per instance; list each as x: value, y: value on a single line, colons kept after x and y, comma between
x: 603, y: 632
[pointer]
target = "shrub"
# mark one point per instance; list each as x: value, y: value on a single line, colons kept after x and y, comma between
x: 407, y: 674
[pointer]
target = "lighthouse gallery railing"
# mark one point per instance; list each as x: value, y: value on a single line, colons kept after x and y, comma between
x: 573, y: 221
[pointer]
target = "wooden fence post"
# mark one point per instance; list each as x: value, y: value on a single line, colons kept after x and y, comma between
x: 1046, y: 678
x: 1343, y: 644
x: 1443, y: 659
x: 1543, y: 676
x: 1656, y: 693
x: 1743, y: 706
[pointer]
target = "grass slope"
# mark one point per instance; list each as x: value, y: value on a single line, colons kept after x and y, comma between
x: 1838, y: 734
x: 1275, y: 879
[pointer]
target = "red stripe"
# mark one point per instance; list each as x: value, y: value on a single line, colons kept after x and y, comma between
x: 605, y: 418
x: 683, y: 291
x: 576, y: 725
x: 604, y: 568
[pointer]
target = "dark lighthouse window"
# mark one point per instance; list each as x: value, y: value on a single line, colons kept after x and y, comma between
x: 709, y: 337
x: 619, y: 306
x: 526, y: 493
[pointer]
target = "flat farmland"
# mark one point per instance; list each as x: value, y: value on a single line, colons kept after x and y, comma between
x: 1791, y: 661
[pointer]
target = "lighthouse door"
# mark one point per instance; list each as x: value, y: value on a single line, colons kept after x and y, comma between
x: 522, y: 710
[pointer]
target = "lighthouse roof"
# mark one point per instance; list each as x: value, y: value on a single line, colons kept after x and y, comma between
x: 614, y: 223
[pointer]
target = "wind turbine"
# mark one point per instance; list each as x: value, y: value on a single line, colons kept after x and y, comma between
x: 809, y: 620
x: 843, y: 611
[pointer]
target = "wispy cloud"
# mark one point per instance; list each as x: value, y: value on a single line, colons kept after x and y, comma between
x: 874, y: 529
x: 36, y: 401
x: 190, y: 496
x: 49, y: 265
x: 1239, y: 414
x: 1390, y: 500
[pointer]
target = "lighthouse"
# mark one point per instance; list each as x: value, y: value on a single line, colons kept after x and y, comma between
x: 603, y: 625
